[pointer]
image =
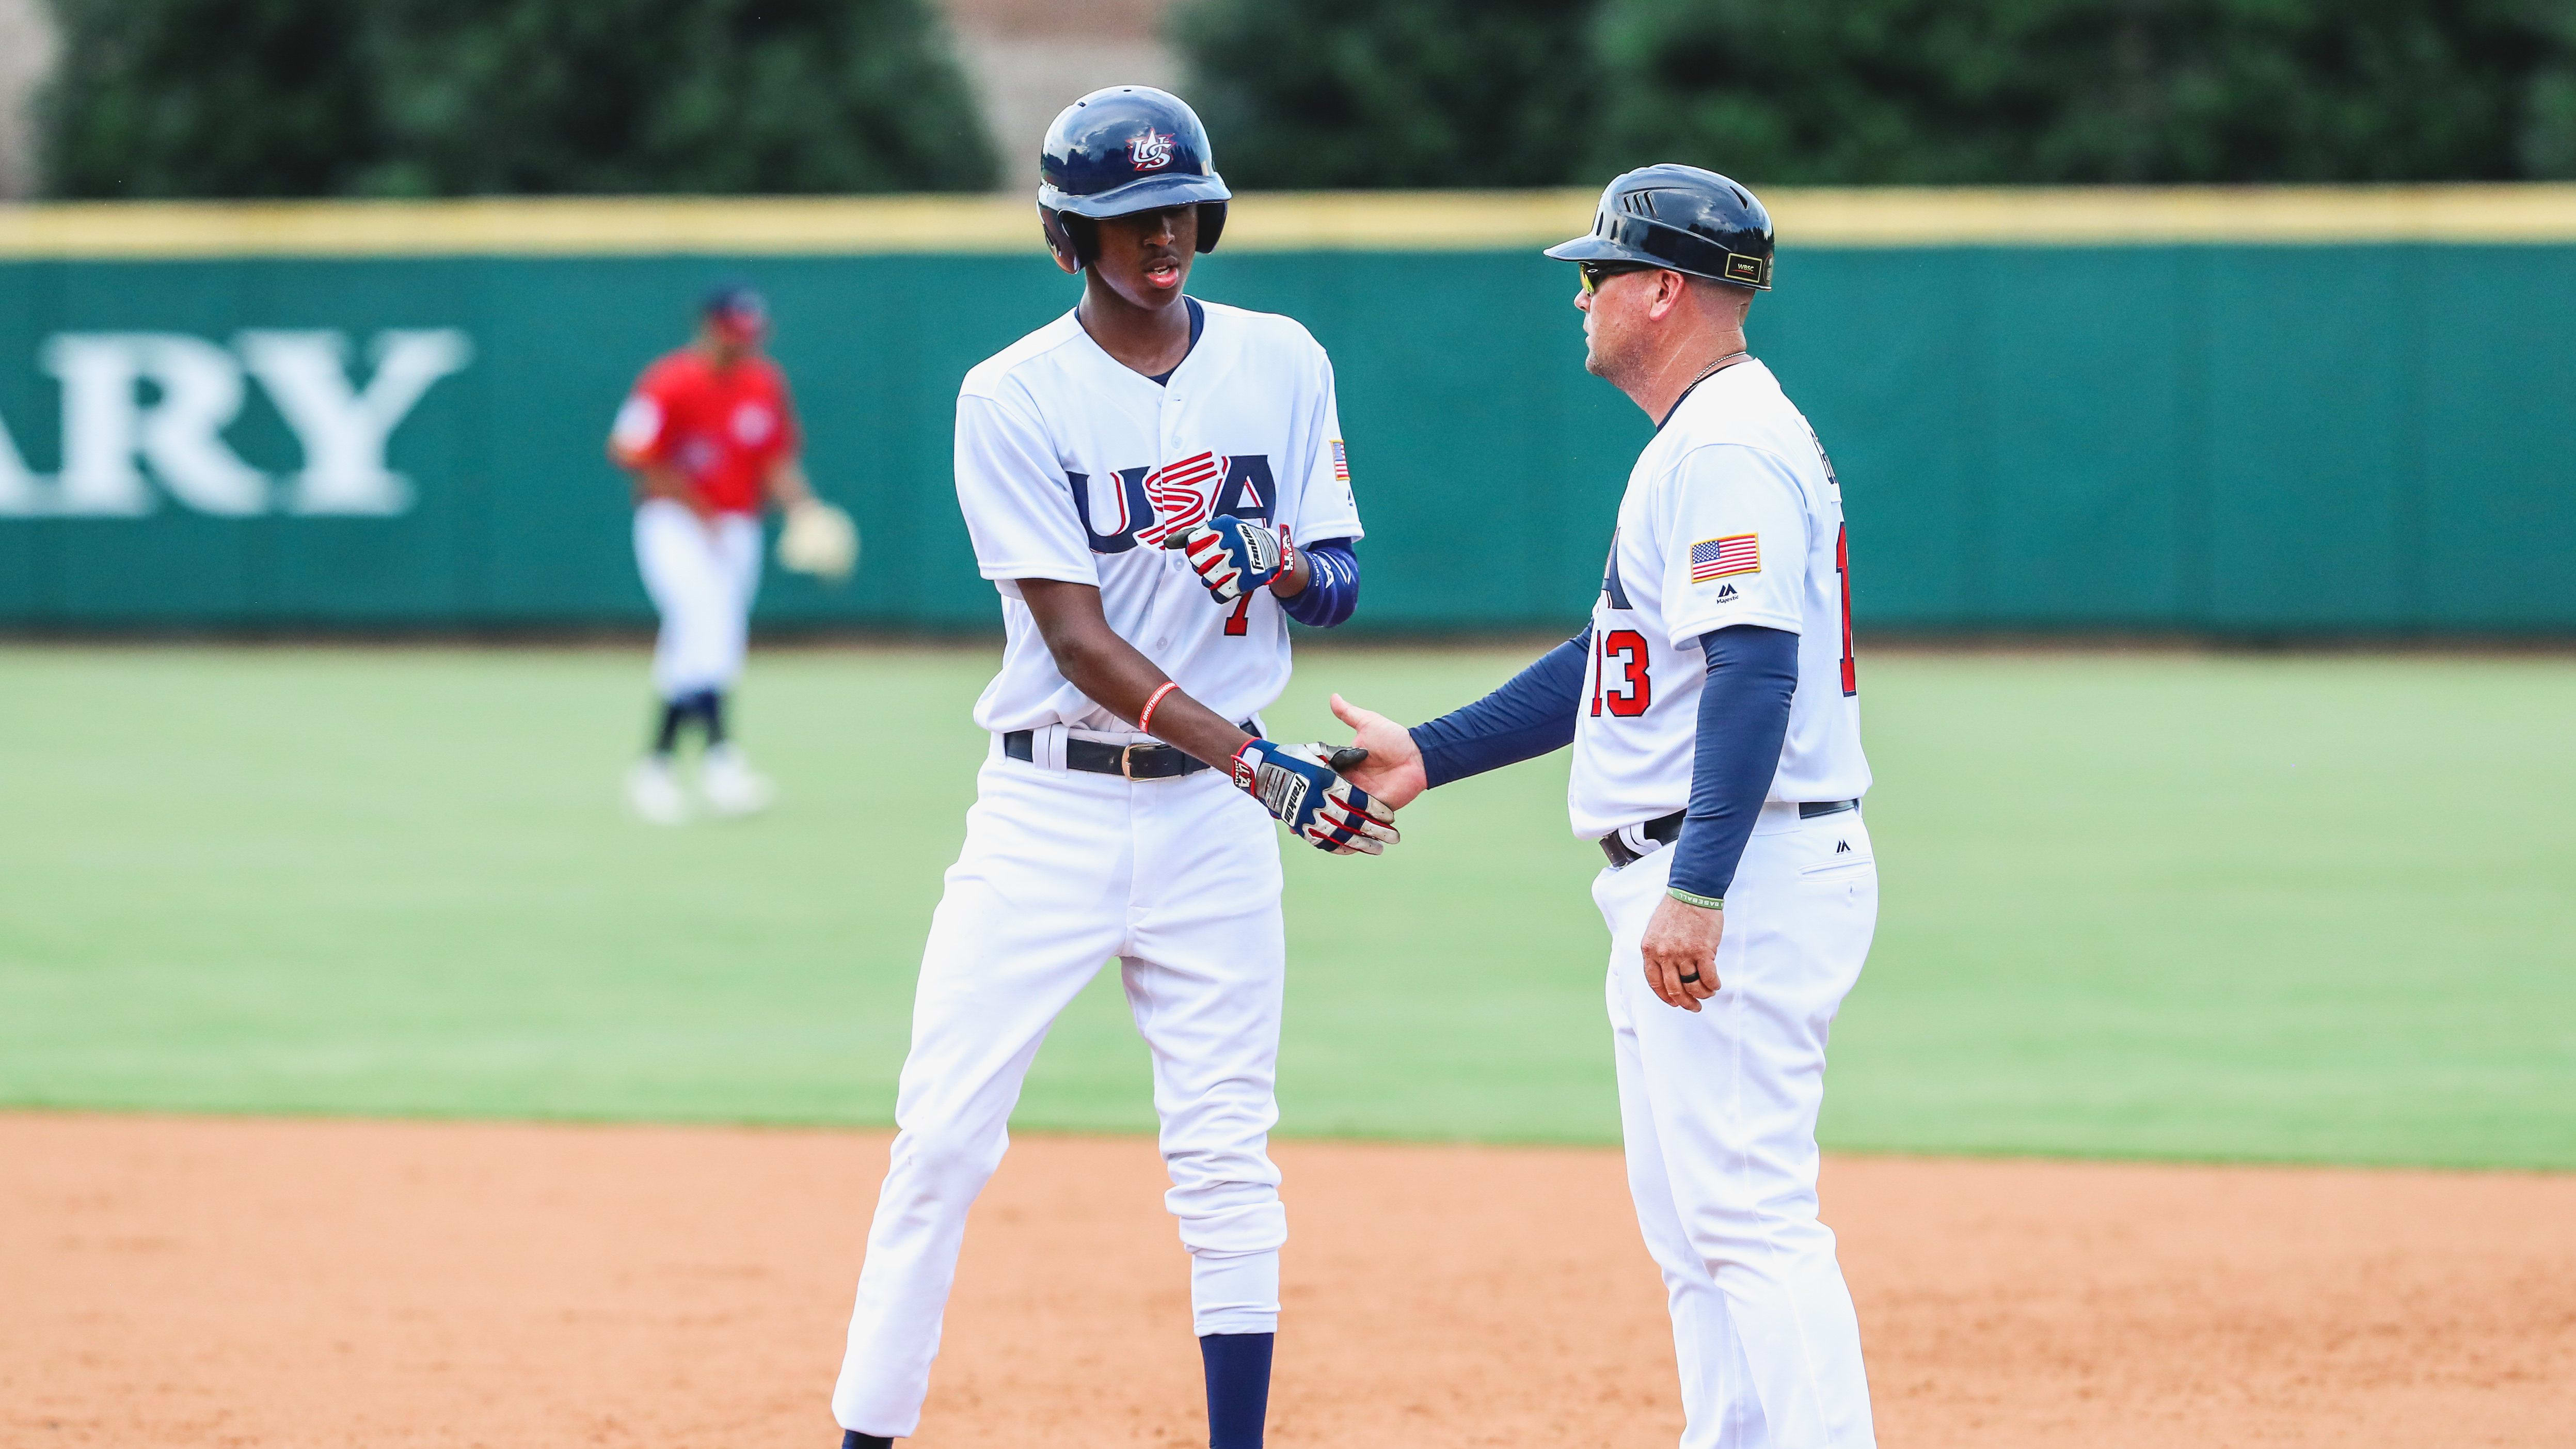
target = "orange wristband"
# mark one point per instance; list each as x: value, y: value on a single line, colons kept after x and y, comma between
x: 1145, y: 716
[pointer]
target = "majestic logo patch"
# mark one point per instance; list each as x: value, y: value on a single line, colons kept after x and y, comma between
x: 1726, y: 594
x: 1151, y: 151
x: 1716, y: 558
x: 1842, y: 847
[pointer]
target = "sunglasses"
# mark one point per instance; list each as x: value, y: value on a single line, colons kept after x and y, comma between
x: 1593, y: 274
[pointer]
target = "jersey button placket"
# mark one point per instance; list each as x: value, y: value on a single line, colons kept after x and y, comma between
x: 1167, y: 419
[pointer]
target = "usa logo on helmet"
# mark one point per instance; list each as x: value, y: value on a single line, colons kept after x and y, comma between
x: 1152, y: 150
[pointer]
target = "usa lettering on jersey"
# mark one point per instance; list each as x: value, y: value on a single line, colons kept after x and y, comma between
x: 1144, y: 505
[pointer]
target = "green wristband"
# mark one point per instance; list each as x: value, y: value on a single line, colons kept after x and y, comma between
x: 1705, y: 903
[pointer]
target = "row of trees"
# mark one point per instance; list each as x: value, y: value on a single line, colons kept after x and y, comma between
x: 432, y: 97
x: 1330, y: 93
x: 444, y: 97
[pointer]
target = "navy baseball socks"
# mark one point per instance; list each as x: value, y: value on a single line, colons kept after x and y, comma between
x: 1238, y: 1393
x: 1238, y: 1387
x: 705, y: 709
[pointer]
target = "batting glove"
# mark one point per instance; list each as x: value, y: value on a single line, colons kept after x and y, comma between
x: 1303, y: 792
x: 1233, y: 556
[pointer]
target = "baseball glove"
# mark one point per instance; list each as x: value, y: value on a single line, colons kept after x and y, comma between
x: 819, y: 539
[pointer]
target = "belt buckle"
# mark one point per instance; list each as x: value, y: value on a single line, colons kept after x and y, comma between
x: 1127, y: 762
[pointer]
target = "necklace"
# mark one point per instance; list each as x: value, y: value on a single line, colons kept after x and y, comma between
x: 1714, y: 368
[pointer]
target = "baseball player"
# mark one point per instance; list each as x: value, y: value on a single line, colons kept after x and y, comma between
x: 1717, y: 761
x: 710, y: 435
x: 1155, y: 485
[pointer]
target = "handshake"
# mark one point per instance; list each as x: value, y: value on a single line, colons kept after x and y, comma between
x: 1307, y: 790
x: 1340, y: 800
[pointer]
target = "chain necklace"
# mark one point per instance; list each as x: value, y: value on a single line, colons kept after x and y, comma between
x: 1714, y: 368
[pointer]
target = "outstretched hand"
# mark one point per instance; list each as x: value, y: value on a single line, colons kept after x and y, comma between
x: 1393, y: 770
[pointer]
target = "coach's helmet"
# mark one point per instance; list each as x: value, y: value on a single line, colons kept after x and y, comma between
x: 1122, y: 150
x: 1682, y: 219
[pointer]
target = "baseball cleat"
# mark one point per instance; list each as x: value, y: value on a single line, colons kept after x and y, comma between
x: 654, y: 793
x: 729, y: 784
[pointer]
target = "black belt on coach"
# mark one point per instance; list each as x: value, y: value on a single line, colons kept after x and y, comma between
x: 1099, y: 757
x: 1665, y: 829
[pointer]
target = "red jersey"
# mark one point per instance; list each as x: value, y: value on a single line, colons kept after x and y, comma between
x: 724, y: 430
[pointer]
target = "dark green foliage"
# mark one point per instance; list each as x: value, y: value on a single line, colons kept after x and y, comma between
x: 2092, y: 90
x: 447, y: 97
x: 207, y: 98
x: 1881, y: 91
x: 1325, y: 93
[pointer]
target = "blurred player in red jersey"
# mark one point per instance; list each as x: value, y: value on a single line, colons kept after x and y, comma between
x: 710, y: 436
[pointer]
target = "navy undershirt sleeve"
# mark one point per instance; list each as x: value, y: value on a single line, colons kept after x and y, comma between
x: 1332, y: 585
x: 1743, y: 718
x: 1531, y: 715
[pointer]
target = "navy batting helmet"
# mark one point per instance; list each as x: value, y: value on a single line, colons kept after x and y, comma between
x: 1683, y: 219
x: 1122, y: 150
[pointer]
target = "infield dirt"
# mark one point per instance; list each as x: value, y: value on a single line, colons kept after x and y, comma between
x: 187, y: 1282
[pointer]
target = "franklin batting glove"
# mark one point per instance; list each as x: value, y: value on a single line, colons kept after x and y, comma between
x: 1300, y: 790
x: 1233, y: 556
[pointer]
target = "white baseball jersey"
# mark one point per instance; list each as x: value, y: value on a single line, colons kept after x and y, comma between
x: 1073, y: 466
x: 1732, y: 516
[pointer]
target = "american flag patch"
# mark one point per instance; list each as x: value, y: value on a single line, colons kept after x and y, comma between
x: 1341, y: 463
x: 1715, y: 558
x: 1182, y: 494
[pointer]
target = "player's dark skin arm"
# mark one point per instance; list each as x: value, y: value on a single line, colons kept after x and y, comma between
x: 1131, y: 306
x: 1110, y: 671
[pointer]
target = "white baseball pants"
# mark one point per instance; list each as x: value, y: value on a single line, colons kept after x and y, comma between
x: 1718, y: 1109
x: 702, y: 581
x: 1179, y: 880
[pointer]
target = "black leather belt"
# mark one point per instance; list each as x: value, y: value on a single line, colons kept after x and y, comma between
x: 1665, y: 829
x: 1099, y: 757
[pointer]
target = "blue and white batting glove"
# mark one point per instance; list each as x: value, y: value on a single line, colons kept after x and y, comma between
x: 1303, y: 792
x: 1234, y: 556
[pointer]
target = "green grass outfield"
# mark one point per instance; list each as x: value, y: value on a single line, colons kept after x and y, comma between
x: 2316, y: 909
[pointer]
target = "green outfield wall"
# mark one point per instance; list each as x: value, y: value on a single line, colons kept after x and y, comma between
x: 2233, y: 413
